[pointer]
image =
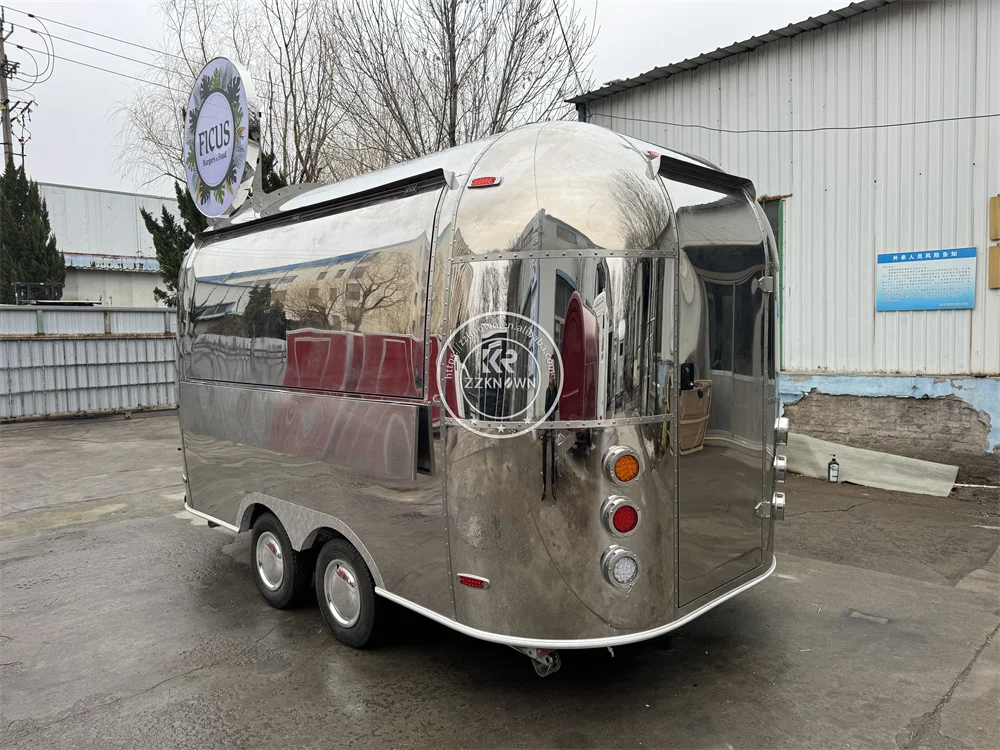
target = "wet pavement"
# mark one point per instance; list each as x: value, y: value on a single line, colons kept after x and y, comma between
x: 125, y: 622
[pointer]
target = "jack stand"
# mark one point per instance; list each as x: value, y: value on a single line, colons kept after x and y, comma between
x: 546, y: 661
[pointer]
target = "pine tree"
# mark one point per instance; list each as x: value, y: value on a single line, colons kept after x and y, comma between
x: 28, y: 250
x: 172, y: 238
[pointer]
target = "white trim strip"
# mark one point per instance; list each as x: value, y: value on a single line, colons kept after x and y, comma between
x: 615, y: 640
x: 207, y: 517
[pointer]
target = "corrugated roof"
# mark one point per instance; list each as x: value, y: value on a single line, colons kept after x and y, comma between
x: 794, y: 29
x: 99, y: 262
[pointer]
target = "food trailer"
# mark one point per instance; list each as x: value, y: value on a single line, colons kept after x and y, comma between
x: 461, y: 384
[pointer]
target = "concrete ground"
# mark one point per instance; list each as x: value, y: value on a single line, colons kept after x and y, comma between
x: 124, y: 622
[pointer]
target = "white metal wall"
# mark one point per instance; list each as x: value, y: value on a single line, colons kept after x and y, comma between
x: 856, y: 193
x: 128, y: 288
x: 85, y: 361
x: 102, y: 222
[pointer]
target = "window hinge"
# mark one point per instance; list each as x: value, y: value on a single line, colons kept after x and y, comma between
x: 766, y: 284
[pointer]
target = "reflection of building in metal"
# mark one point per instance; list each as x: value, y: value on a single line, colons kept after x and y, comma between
x: 549, y: 301
x: 543, y: 290
x: 355, y: 291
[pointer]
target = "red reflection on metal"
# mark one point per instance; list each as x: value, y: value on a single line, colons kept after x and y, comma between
x: 581, y: 356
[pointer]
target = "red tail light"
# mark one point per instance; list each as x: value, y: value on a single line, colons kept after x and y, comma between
x: 481, y: 182
x: 475, y: 582
x: 620, y: 515
x: 625, y: 519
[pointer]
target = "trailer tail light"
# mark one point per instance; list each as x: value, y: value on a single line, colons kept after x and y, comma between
x: 481, y: 182
x: 620, y: 515
x: 620, y: 567
x: 621, y: 464
x: 475, y: 582
x: 626, y: 468
x: 625, y: 519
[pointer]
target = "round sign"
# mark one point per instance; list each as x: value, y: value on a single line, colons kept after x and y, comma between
x: 216, y: 136
x: 505, y: 371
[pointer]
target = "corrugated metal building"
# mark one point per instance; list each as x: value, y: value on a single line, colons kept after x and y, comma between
x: 876, y: 129
x: 110, y: 256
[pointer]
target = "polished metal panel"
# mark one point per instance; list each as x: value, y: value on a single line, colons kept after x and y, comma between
x: 722, y: 335
x: 610, y: 317
x: 683, y: 617
x: 543, y: 556
x: 771, y: 398
x: 566, y: 187
x: 334, y: 303
x: 581, y: 242
x: 332, y: 461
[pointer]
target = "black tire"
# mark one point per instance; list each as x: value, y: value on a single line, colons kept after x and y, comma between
x: 296, y: 571
x: 359, y: 631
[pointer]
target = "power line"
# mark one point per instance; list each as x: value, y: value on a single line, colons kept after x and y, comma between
x: 569, y: 51
x: 105, y: 70
x: 85, y: 31
x: 96, y: 49
x: 795, y: 130
x: 143, y: 47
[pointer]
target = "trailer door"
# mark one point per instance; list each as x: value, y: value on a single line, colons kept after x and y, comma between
x: 720, y: 406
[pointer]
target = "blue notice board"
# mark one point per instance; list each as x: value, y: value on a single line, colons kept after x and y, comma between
x: 927, y: 280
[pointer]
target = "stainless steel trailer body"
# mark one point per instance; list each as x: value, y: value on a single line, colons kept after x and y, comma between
x: 526, y: 385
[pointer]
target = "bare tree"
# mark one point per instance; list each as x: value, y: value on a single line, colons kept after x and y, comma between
x: 314, y: 305
x: 358, y: 85
x: 288, y: 48
x: 301, y: 115
x: 642, y: 215
x: 423, y: 75
x: 379, y: 282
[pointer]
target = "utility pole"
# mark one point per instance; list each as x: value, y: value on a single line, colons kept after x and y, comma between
x: 8, y: 142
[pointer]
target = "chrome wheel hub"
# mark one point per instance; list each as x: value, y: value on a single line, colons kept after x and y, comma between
x: 340, y: 587
x: 270, y: 561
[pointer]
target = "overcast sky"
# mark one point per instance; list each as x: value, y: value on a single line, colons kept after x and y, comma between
x: 73, y: 128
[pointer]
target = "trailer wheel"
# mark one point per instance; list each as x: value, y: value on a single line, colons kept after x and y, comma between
x: 345, y: 591
x: 281, y: 573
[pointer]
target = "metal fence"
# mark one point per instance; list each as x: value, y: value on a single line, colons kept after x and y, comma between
x: 58, y: 361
